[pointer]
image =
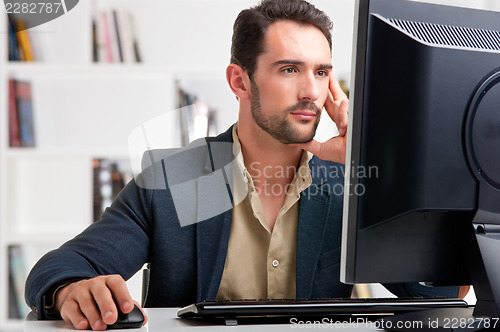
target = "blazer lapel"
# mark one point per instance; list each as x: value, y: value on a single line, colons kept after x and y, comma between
x: 212, y: 238
x: 212, y: 234
x: 313, y: 215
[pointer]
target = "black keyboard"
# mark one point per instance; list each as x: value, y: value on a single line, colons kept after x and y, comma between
x: 314, y: 307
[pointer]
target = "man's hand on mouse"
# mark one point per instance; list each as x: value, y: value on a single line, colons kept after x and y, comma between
x: 91, y: 303
x: 337, y: 107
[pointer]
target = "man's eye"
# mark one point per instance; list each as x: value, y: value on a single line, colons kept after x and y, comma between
x: 289, y: 70
x: 322, y: 73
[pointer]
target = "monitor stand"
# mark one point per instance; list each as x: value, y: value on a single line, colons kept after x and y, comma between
x: 481, y: 147
x: 484, y: 270
x: 482, y: 144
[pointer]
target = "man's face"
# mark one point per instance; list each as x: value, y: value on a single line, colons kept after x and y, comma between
x: 290, y: 83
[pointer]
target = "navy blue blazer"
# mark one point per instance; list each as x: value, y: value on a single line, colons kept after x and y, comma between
x: 186, y: 263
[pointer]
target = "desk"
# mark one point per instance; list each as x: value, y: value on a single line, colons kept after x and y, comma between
x: 165, y: 319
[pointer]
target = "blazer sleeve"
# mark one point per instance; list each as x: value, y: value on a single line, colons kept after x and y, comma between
x: 117, y: 244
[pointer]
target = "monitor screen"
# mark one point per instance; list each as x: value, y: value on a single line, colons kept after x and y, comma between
x: 422, y: 198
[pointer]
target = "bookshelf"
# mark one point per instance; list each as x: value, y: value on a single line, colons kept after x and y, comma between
x: 84, y: 110
x: 81, y: 111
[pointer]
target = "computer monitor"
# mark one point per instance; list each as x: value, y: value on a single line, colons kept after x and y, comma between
x: 422, y: 198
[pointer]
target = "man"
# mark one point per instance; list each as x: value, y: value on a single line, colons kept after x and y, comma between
x: 280, y: 240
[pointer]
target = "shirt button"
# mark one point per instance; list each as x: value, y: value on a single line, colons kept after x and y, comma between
x: 276, y: 263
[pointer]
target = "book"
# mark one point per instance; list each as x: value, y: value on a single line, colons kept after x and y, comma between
x: 25, y: 113
x: 18, y: 274
x: 117, y: 180
x: 117, y: 37
x: 97, y: 200
x: 24, y: 41
x: 14, y: 137
x: 197, y: 119
x: 95, y: 45
x: 13, y: 311
x: 126, y: 35
x: 137, y: 53
x: 108, y: 181
x: 114, y: 38
x: 13, y: 46
x: 107, y: 37
x: 135, y: 42
x: 100, y: 38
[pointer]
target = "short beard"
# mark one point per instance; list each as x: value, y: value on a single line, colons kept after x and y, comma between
x: 278, y: 126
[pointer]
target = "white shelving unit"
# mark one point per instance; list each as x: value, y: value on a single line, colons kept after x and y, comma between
x: 85, y: 110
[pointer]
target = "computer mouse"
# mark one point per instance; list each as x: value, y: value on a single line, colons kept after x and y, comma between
x: 133, y: 319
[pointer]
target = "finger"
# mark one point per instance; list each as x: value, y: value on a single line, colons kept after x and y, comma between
x: 119, y: 289
x: 338, y: 111
x: 335, y: 89
x: 336, y: 105
x: 342, y: 117
x: 63, y: 293
x: 334, y: 149
x: 71, y: 314
x: 330, y: 102
x: 90, y: 310
x: 104, y: 301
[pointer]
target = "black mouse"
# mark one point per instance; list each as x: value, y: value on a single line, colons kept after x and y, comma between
x: 133, y: 319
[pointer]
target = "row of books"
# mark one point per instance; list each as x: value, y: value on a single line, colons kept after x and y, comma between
x: 114, y: 38
x: 21, y: 123
x: 20, y: 45
x: 108, y: 180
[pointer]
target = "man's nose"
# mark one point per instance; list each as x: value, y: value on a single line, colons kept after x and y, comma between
x: 308, y: 89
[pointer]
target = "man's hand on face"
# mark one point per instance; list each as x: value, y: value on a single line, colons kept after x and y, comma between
x: 337, y: 107
x: 92, y: 303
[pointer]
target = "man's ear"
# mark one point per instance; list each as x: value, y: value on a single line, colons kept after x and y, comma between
x: 238, y: 81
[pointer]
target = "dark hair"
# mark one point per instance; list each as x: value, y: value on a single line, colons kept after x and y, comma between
x: 251, y: 25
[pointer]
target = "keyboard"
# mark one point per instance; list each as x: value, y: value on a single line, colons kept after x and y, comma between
x: 313, y: 307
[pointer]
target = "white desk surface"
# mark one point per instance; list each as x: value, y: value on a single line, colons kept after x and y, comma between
x: 165, y: 319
